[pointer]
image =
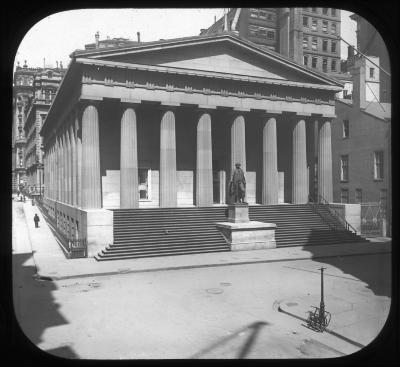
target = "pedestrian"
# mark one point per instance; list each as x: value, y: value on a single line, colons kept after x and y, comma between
x: 36, y: 219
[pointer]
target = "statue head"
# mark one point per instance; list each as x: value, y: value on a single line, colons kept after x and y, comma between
x: 237, y: 165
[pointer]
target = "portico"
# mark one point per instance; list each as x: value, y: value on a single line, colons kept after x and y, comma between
x: 140, y: 127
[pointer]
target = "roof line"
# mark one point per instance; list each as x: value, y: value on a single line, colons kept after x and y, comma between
x: 205, y: 73
x: 216, y: 38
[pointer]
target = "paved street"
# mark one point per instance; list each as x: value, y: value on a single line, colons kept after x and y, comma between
x: 213, y: 312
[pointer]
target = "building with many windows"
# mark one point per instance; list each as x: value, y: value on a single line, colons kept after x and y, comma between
x: 306, y: 35
x: 45, y: 84
x: 33, y: 92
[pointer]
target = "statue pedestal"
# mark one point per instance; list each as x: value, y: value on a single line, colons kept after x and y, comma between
x: 243, y: 234
x: 238, y: 213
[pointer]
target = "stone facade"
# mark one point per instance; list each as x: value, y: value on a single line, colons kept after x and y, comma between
x: 139, y: 126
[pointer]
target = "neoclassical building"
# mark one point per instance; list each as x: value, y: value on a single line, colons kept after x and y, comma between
x: 161, y: 124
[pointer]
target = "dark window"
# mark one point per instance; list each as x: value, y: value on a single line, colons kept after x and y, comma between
x: 271, y: 35
x: 346, y: 129
x: 305, y: 21
x: 333, y: 46
x: 314, y: 10
x: 324, y: 45
x: 314, y: 62
x: 372, y: 72
x: 333, y: 65
x: 305, y: 60
x: 344, y: 196
x: 344, y: 168
x: 378, y: 165
x: 325, y: 11
x: 333, y: 12
x: 383, y: 198
x: 333, y: 28
x: 325, y: 65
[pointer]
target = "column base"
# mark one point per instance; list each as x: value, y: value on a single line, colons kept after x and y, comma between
x: 252, y: 235
x: 99, y: 230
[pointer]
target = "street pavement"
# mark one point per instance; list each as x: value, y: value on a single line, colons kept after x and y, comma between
x: 248, y: 304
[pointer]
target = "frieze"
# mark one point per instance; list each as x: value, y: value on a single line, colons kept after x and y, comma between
x: 209, y: 91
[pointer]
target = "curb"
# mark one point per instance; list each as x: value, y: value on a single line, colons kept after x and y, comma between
x: 183, y: 267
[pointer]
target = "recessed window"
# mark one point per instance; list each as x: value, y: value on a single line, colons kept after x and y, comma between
x: 144, y: 183
x: 346, y: 129
x: 333, y: 12
x: 305, y: 60
x: 314, y: 43
x: 344, y: 196
x: 372, y: 72
x: 324, y: 65
x: 358, y: 196
x: 325, y: 45
x: 325, y: 26
x: 305, y: 42
x: 333, y: 46
x: 314, y: 62
x: 378, y: 165
x: 333, y: 65
x: 314, y: 24
x: 344, y: 168
x: 271, y: 35
x: 325, y: 11
x: 333, y: 28
x: 305, y: 21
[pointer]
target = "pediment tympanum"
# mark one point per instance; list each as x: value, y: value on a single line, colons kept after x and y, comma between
x: 223, y: 55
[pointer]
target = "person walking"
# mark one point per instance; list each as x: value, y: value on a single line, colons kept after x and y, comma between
x: 36, y: 219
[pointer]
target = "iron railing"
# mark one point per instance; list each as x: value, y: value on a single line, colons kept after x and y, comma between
x: 339, y: 222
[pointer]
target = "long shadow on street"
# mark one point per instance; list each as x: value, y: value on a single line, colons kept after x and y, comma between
x: 34, y: 305
x: 374, y: 270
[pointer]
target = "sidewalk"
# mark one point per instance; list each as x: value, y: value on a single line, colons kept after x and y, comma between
x: 51, y: 262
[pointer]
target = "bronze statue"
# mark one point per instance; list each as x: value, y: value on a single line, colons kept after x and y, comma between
x: 237, y: 186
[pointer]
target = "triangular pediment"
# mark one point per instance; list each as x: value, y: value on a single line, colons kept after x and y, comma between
x: 221, y: 54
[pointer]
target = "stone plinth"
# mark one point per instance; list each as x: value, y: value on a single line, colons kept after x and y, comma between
x: 252, y: 235
x: 238, y: 213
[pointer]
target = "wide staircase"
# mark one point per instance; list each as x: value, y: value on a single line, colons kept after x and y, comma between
x: 177, y: 231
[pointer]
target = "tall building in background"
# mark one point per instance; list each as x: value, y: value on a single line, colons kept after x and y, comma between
x: 307, y: 35
x: 33, y: 92
x: 46, y: 83
x: 370, y: 43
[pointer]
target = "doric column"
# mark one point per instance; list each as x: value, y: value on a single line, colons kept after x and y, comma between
x: 78, y: 134
x: 64, y: 167
x: 299, y: 170
x: 168, y: 190
x: 68, y: 170
x: 325, y: 188
x: 270, y: 163
x: 129, y: 163
x: 58, y: 164
x: 91, y: 194
x: 238, y: 143
x: 204, y: 178
x: 73, y: 163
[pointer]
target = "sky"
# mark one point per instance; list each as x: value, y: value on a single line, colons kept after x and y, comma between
x: 56, y: 36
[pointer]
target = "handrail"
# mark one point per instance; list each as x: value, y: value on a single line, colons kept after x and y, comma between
x: 344, y: 224
x: 341, y: 219
x: 335, y: 225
